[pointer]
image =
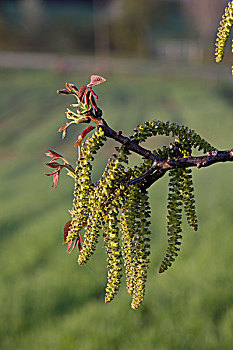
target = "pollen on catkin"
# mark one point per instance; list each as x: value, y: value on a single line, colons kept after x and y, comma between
x: 174, y: 218
x: 83, y: 192
x: 224, y: 31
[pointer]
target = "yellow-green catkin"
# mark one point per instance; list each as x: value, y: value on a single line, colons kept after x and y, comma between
x: 158, y: 127
x: 224, y: 32
x: 83, y: 187
x: 187, y: 189
x: 104, y: 207
x: 174, y: 218
x: 101, y: 197
x: 128, y: 228
x: 92, y: 230
x: 135, y: 222
x: 141, y: 244
x: 112, y: 246
x: 111, y: 185
x: 188, y: 199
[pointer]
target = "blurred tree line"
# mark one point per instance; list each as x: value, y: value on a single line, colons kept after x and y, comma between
x: 120, y: 27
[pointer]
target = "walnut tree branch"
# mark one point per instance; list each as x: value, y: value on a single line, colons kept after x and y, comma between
x: 163, y: 166
x: 159, y: 166
x: 117, y: 136
x: 200, y: 161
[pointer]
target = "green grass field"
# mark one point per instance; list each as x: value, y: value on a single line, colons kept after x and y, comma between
x: 46, y: 300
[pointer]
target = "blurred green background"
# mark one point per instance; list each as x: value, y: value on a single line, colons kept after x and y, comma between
x: 46, y: 300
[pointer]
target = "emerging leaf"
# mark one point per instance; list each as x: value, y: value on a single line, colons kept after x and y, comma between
x: 73, y: 88
x: 53, y: 154
x: 96, y: 80
x: 66, y: 230
x: 83, y: 134
x: 64, y: 92
x: 82, y: 92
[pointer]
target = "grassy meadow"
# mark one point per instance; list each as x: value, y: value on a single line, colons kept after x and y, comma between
x: 46, y: 300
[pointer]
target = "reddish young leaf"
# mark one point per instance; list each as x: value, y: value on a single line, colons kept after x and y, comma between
x: 56, y: 178
x: 78, y: 142
x: 93, y: 93
x: 55, y: 174
x: 93, y: 103
x: 62, y: 128
x: 79, y: 246
x: 64, y: 92
x: 82, y: 92
x: 64, y: 134
x: 82, y: 135
x: 96, y: 80
x: 74, y: 245
x: 51, y: 153
x: 52, y: 173
x: 53, y: 165
x: 73, y: 88
x: 69, y: 246
x: 87, y: 130
x: 87, y: 99
x: 66, y: 230
x: 80, y: 238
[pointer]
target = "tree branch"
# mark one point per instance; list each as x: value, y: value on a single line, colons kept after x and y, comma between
x: 159, y: 166
x: 200, y: 162
x: 162, y: 166
x: 117, y: 136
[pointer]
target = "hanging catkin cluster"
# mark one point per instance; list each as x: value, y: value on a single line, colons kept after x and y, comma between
x: 117, y: 208
x: 84, y: 193
x: 224, y: 31
x: 180, y: 184
x: 135, y: 222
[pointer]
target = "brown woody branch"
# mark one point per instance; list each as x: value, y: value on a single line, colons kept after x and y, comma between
x: 117, y: 136
x: 162, y: 166
x: 159, y: 166
x: 200, y: 162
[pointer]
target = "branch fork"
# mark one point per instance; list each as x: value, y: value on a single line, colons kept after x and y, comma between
x: 159, y: 166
